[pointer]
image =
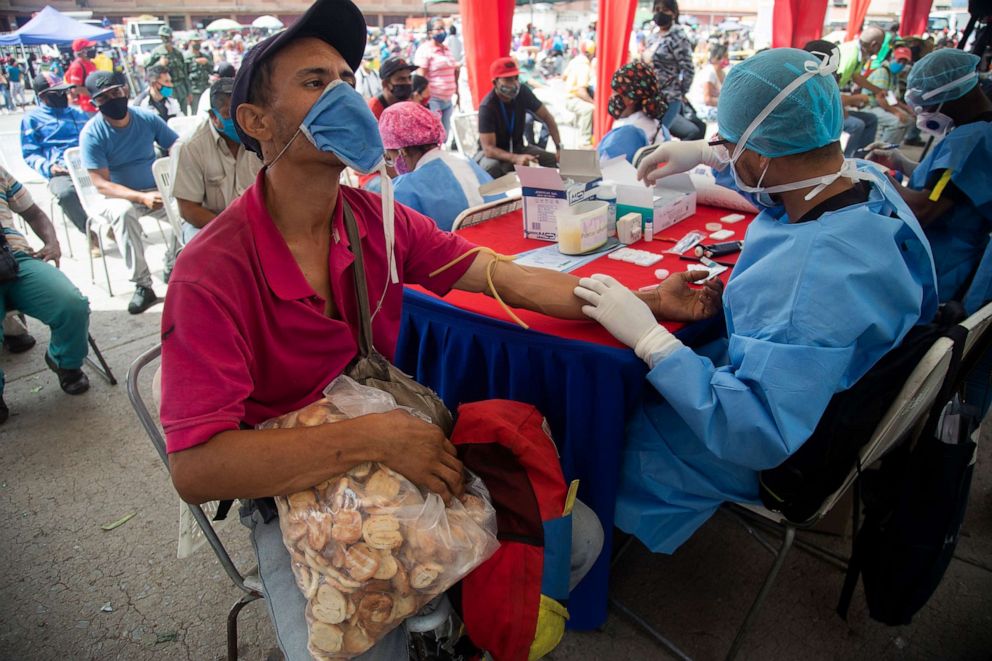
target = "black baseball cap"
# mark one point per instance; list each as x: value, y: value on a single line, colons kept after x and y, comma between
x: 101, y: 81
x: 220, y: 87
x: 225, y: 70
x: 337, y: 22
x: 45, y: 83
x: 393, y: 64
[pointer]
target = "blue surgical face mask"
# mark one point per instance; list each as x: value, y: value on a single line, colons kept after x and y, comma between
x: 440, y: 37
x: 896, y: 67
x: 165, y: 91
x: 227, y: 127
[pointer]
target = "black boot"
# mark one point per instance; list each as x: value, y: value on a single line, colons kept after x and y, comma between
x: 18, y: 343
x: 72, y: 382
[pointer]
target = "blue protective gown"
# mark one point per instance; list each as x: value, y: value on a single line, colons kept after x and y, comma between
x: 960, y: 240
x: 442, y: 186
x: 810, y: 307
x: 626, y: 139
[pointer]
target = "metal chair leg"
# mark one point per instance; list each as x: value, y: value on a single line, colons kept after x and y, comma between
x: 790, y: 536
x: 232, y: 623
x: 649, y: 630
x: 101, y: 367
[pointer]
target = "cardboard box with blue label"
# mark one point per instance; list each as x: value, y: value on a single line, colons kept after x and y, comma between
x: 672, y: 199
x: 546, y: 190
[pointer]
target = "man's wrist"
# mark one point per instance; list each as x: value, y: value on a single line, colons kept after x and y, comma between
x: 652, y: 299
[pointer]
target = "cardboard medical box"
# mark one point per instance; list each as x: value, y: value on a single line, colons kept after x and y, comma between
x: 672, y: 199
x: 545, y: 190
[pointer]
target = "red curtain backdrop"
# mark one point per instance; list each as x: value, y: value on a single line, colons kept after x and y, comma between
x: 487, y: 27
x: 794, y: 22
x: 855, y: 17
x: 616, y: 19
x: 914, y: 17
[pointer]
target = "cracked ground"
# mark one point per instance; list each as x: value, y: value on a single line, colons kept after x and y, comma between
x: 71, y: 590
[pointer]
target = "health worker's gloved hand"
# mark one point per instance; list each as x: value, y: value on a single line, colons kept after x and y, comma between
x: 893, y: 159
x: 676, y: 157
x: 626, y: 317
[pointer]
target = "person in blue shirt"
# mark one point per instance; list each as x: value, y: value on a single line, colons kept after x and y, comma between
x: 46, y: 133
x: 834, y: 272
x: 16, y: 77
x: 950, y: 190
x: 437, y: 183
x: 118, y: 148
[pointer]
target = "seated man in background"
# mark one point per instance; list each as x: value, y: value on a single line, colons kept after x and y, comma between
x: 40, y: 290
x: 894, y: 117
x: 437, y: 183
x: 221, y: 70
x: 578, y: 83
x: 502, y: 116
x: 861, y: 127
x: 213, y: 167
x: 950, y: 190
x: 159, y: 95
x: 46, y: 133
x: 118, y: 149
x: 397, y: 84
x: 834, y: 273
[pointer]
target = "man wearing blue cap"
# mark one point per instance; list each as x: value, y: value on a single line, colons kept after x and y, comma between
x: 950, y: 190
x: 834, y: 272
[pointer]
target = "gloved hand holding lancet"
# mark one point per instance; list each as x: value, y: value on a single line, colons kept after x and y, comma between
x: 677, y: 157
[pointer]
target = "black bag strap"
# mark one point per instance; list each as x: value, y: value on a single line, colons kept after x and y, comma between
x: 365, y: 347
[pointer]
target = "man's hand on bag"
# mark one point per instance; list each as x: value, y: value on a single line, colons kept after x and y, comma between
x: 419, y: 451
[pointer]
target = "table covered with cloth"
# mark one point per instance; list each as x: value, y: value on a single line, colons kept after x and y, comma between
x: 583, y: 380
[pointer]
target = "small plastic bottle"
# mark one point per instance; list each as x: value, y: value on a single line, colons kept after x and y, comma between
x: 608, y: 194
x: 649, y: 230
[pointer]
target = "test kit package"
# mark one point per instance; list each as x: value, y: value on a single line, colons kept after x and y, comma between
x: 368, y: 548
x: 546, y: 190
x: 672, y: 199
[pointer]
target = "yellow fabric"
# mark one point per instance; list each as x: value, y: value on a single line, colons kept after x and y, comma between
x: 551, y: 617
x: 490, y: 272
x: 938, y: 190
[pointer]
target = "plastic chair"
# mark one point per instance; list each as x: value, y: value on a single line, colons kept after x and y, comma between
x: 184, y: 124
x: 487, y: 211
x: 466, y: 129
x: 249, y: 582
x: 905, y: 416
x: 91, y: 200
x: 163, y: 171
x: 52, y: 206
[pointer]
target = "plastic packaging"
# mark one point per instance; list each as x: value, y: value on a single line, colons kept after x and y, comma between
x: 582, y: 227
x: 369, y: 549
x: 687, y: 242
x: 608, y: 194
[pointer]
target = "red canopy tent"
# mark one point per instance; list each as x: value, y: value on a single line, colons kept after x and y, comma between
x: 794, y: 22
x: 856, y: 18
x: 914, y: 17
x: 487, y: 27
x: 616, y: 20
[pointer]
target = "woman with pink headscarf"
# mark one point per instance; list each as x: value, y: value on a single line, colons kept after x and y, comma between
x: 437, y: 183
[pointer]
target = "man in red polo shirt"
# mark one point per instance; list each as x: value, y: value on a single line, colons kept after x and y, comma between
x: 81, y: 67
x: 261, y: 315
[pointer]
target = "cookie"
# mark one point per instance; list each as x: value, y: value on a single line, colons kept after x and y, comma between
x: 387, y: 566
x: 303, y: 500
x: 311, y: 416
x: 308, y: 580
x: 356, y: 640
x: 375, y: 609
x: 382, y: 531
x: 401, y: 580
x: 294, y: 531
x: 342, y: 496
x: 404, y: 606
x: 423, y: 576
x: 347, y: 526
x: 361, y: 562
x: 326, y: 638
x: 318, y: 531
x: 361, y: 471
x: 381, y: 488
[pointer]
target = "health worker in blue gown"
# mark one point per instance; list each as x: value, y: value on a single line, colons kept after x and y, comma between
x: 950, y: 190
x: 834, y: 272
x: 437, y: 183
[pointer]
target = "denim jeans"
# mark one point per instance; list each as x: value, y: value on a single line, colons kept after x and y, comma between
x: 674, y: 110
x: 446, y: 108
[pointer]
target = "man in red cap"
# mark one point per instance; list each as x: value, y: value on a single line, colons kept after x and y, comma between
x: 502, y: 115
x: 81, y: 67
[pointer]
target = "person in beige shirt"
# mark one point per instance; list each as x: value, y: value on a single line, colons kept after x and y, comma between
x: 213, y: 167
x: 578, y: 81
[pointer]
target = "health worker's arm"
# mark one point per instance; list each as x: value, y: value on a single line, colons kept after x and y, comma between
x: 930, y: 205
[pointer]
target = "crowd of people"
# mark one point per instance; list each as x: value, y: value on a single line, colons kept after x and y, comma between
x: 254, y: 323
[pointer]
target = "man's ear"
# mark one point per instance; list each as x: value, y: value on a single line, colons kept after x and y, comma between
x: 254, y: 122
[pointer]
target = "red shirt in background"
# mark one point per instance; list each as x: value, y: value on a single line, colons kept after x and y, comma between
x: 76, y: 74
x: 244, y: 336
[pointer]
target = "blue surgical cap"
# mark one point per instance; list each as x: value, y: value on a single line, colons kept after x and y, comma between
x: 809, y: 118
x: 948, y: 68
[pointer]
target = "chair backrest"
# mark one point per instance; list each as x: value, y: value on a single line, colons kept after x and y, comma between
x: 89, y: 197
x: 466, y: 128
x: 487, y: 211
x: 151, y: 426
x: 907, y: 412
x: 163, y: 171
x: 184, y: 124
x: 977, y: 325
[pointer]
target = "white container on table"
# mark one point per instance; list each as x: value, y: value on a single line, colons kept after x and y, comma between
x: 582, y: 227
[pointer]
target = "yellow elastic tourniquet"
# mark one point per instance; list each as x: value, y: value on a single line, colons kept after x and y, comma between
x: 490, y: 270
x: 941, y: 185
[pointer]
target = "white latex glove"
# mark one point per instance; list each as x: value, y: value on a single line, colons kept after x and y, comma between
x: 626, y: 317
x: 676, y: 157
x: 893, y: 159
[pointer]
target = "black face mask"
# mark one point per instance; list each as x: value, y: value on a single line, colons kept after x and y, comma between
x: 114, y: 108
x: 663, y: 20
x: 402, y: 92
x: 56, y: 100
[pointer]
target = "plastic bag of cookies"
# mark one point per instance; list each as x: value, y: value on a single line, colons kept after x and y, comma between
x: 368, y: 548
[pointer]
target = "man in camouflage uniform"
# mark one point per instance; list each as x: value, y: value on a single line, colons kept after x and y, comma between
x: 170, y: 57
x: 200, y: 65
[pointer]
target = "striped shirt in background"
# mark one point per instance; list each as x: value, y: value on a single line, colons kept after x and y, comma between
x: 439, y: 66
x: 14, y: 198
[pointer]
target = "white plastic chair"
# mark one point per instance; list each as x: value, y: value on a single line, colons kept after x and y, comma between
x: 92, y: 203
x: 486, y: 211
x: 466, y: 129
x: 164, y: 173
x: 183, y: 125
x: 977, y: 326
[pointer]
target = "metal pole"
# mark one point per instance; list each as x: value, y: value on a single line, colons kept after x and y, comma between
x: 127, y: 70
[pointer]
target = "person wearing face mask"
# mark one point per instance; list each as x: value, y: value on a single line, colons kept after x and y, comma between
x: 437, y: 183
x: 637, y: 108
x: 47, y: 131
x: 894, y: 116
x: 855, y: 55
x: 77, y: 72
x: 260, y: 314
x: 672, y: 59
x: 397, y: 84
x: 835, y: 271
x: 221, y: 70
x: 117, y: 147
x: 160, y: 95
x: 172, y: 59
x: 438, y: 65
x: 213, y: 167
x: 502, y: 116
x: 367, y: 80
x: 950, y: 190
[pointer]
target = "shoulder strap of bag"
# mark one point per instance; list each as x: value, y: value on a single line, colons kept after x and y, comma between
x: 361, y: 287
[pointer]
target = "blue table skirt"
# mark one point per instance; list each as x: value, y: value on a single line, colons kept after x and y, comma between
x: 585, y: 391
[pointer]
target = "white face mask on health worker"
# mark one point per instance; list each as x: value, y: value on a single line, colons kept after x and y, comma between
x: 934, y: 122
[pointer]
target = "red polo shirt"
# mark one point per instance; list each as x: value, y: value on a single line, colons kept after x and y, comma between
x: 244, y: 336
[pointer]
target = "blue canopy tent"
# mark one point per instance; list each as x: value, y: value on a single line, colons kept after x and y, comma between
x: 50, y: 26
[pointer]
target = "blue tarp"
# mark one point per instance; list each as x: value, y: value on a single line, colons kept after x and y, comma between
x: 50, y: 26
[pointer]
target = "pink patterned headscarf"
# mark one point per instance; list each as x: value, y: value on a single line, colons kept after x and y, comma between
x: 409, y: 124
